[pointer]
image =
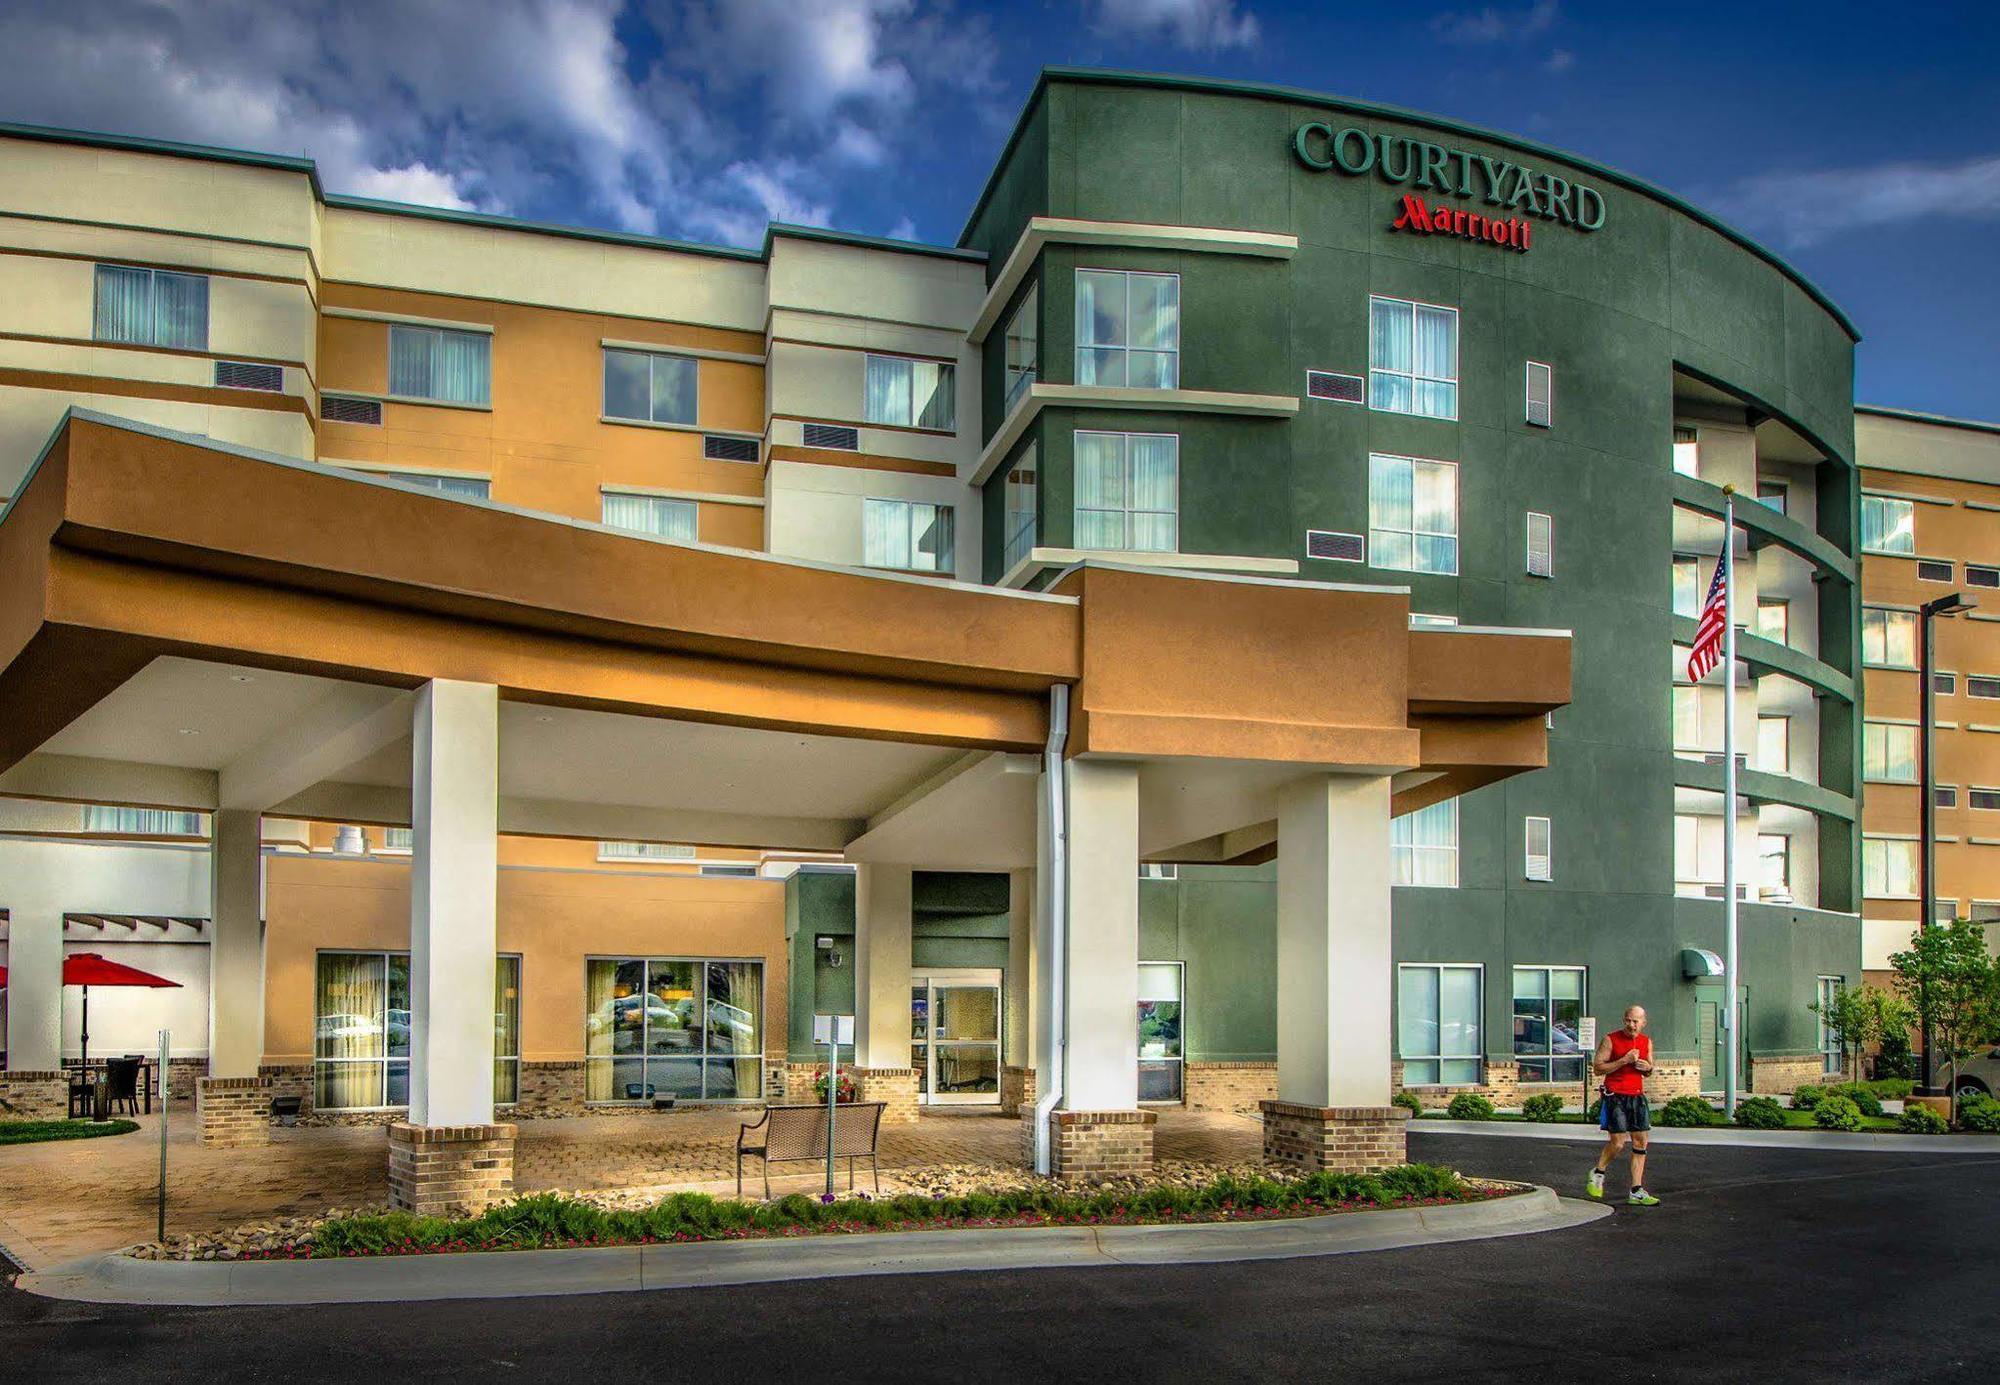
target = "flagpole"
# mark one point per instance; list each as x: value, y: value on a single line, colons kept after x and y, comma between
x: 1733, y: 1052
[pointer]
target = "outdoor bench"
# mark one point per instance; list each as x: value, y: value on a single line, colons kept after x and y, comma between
x: 797, y: 1134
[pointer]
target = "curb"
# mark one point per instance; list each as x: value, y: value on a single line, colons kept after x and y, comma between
x: 116, y: 1278
x: 1856, y: 1142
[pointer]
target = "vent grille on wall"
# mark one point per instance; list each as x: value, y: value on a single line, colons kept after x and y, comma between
x: 1336, y: 547
x: 1541, y: 545
x: 1538, y: 850
x: 1541, y: 394
x: 1334, y: 388
x: 1929, y: 570
x: 1977, y: 576
x: 248, y: 375
x: 345, y: 408
x: 833, y: 436
x: 728, y: 449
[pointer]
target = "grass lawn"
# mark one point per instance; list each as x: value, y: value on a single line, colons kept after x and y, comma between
x: 1794, y: 1120
x: 35, y: 1132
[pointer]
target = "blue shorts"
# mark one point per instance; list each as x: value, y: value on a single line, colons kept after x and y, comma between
x: 1624, y: 1114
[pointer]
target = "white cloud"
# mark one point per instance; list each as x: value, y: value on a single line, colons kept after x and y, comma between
x: 1494, y: 25
x: 904, y: 229
x: 1561, y: 60
x: 1204, y: 25
x: 1803, y: 208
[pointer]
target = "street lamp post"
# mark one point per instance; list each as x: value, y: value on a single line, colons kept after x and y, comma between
x: 1948, y: 605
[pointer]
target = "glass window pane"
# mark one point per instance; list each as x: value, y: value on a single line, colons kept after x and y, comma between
x: 933, y: 394
x: 930, y: 542
x: 1390, y: 493
x: 343, y: 1085
x: 888, y: 391
x: 1416, y: 1011
x: 673, y: 1008
x: 462, y: 367
x: 410, y: 361
x: 349, y: 1000
x: 1391, y: 393
x: 885, y: 533
x: 1420, y: 1074
x: 123, y: 308
x: 180, y: 310
x: 1390, y: 337
x: 1437, y: 343
x: 1100, y: 308
x: 673, y: 389
x: 1100, y: 367
x: 397, y: 1017
x: 1458, y: 1011
x: 735, y: 1007
x: 1459, y: 1072
x: 1155, y: 316
x: 734, y: 1079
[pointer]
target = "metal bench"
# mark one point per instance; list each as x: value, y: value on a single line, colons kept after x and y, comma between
x: 797, y: 1134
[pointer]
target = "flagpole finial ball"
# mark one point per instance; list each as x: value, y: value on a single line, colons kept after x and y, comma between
x: 1729, y: 490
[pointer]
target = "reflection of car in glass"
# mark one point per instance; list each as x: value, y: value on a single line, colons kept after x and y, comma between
x: 346, y: 1028
x: 1531, y: 1035
x: 731, y: 1029
x: 399, y: 1031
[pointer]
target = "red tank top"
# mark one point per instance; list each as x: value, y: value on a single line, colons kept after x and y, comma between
x: 1628, y: 1081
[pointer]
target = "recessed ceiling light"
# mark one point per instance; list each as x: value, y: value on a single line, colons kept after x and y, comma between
x: 241, y: 678
x: 545, y: 720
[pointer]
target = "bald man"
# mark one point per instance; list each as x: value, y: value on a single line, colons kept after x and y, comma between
x: 1623, y: 1060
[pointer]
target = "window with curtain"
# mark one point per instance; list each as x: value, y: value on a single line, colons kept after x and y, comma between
x: 439, y: 364
x: 1021, y: 513
x: 1687, y: 848
x: 1548, y: 1023
x: 1774, y: 620
x: 906, y: 535
x: 1128, y: 329
x: 659, y: 515
x: 506, y: 1030
x: 1412, y: 358
x: 141, y: 822
x: 361, y: 1030
x: 1888, y: 525
x: 1687, y: 452
x: 1687, y: 717
x: 1888, y: 753
x: 150, y: 307
x: 1687, y: 586
x: 1889, y: 867
x: 1024, y: 348
x: 649, y: 387
x: 1423, y: 846
x: 1412, y: 514
x: 1774, y: 745
x: 1774, y: 862
x: 476, y: 487
x: 1437, y: 1025
x: 1888, y: 638
x: 1127, y: 492
x: 682, y: 1027
x: 909, y: 393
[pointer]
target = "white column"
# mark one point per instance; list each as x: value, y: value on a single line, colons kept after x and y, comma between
x: 1101, y: 990
x: 1334, y: 958
x: 235, y: 945
x: 1023, y: 1048
x: 882, y: 913
x: 454, y: 810
x: 34, y: 986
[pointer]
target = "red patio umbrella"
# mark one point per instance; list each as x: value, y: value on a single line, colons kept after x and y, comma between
x: 87, y: 969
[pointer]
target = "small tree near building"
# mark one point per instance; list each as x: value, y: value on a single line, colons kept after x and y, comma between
x: 1862, y: 1015
x: 1947, y: 975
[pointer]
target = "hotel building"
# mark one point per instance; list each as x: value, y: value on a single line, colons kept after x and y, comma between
x: 1214, y: 633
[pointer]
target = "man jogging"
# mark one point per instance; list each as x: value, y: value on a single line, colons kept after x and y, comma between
x: 1623, y: 1060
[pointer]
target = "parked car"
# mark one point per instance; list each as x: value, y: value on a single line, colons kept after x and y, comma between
x: 1978, y: 1073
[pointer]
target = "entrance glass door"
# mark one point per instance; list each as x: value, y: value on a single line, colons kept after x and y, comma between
x: 1160, y: 1054
x: 955, y: 1036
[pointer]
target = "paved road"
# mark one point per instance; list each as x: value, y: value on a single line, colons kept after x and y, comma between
x: 1776, y: 1265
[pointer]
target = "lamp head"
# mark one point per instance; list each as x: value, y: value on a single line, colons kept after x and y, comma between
x: 1950, y: 604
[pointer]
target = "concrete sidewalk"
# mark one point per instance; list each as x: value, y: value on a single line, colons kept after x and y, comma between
x: 1824, y: 1140
x: 532, y: 1273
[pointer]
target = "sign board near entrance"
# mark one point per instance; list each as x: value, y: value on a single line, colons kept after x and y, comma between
x: 1586, y: 1035
x: 833, y: 1029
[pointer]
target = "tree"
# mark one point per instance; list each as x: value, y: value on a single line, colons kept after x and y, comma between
x: 1949, y: 978
x: 1862, y: 1015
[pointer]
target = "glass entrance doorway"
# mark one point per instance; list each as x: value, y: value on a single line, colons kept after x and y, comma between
x: 955, y: 1036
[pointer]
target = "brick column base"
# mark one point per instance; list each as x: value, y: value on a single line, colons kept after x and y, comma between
x: 1339, y: 1139
x: 1091, y: 1146
x: 895, y: 1086
x: 1017, y: 1090
x: 34, y: 1096
x: 450, y: 1170
x: 233, y: 1112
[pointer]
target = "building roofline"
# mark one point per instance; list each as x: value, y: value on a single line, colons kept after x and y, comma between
x: 1268, y: 91
x: 855, y: 238
x: 1971, y: 425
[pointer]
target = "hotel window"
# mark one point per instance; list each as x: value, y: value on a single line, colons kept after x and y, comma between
x: 1024, y: 347
x: 1986, y: 800
x: 141, y: 822
x: 1979, y: 575
x: 1889, y: 867
x: 1773, y: 495
x: 673, y: 1027
x: 1422, y: 620
x: 648, y: 387
x: 1888, y: 525
x: 1832, y: 1057
x: 1548, y: 1023
x: 399, y: 840
x: 1888, y: 753
x: 906, y: 393
x: 906, y: 535
x: 1982, y: 685
x: 1538, y: 849
x: 644, y: 851
x: 1020, y: 506
x: 1437, y: 1025
x: 1541, y: 545
x: 1412, y: 358
x: 1774, y: 863
x: 1161, y: 987
x: 1128, y: 492
x: 1687, y: 717
x: 361, y: 1030
x: 1888, y: 638
x: 1687, y: 848
x: 1128, y: 329
x: 1423, y: 846
x: 1412, y: 514
x: 1774, y: 745
x: 471, y: 487
x: 1687, y: 586
x: 442, y: 365
x: 1944, y: 795
x: 657, y: 515
x: 1687, y: 452
x: 150, y: 307
x: 1774, y: 621
x: 1944, y: 684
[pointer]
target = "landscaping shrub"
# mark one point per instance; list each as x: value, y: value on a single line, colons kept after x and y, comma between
x: 1865, y: 1100
x: 1895, y: 1060
x: 1760, y: 1113
x: 1687, y: 1111
x: 1595, y: 1109
x: 1806, y: 1097
x: 1544, y: 1106
x: 1921, y: 1120
x: 1979, y: 1113
x: 1422, y: 1180
x: 1410, y: 1102
x: 1470, y: 1106
x: 1833, y: 1112
x: 1892, y: 1088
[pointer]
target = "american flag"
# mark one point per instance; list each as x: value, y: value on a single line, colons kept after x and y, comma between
x: 1708, y: 627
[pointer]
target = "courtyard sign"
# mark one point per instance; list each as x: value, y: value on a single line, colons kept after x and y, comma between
x: 1422, y: 166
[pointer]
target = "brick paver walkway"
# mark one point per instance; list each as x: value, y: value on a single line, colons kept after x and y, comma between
x: 71, y: 1198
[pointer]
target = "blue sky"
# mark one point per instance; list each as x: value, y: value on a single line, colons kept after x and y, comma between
x: 1865, y: 151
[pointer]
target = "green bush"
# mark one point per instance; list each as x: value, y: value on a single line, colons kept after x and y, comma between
x: 1895, y: 1060
x: 1470, y: 1106
x: 1410, y: 1102
x: 1980, y: 1113
x: 1806, y: 1097
x: 1422, y: 1180
x: 1921, y: 1120
x: 1594, y: 1110
x: 1760, y: 1113
x: 1865, y: 1100
x: 1835, y: 1112
x: 1544, y: 1106
x: 1892, y: 1088
x: 1689, y: 1111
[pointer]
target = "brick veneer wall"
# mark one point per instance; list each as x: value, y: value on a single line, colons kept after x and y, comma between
x: 897, y: 1087
x: 550, y: 1089
x: 798, y: 1079
x: 31, y: 1095
x: 1230, y: 1086
x: 450, y: 1170
x: 1339, y: 1139
x: 182, y: 1076
x: 233, y: 1112
x: 1784, y: 1074
x: 1017, y: 1090
x: 1091, y: 1146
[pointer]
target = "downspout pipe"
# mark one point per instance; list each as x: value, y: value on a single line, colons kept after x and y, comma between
x: 1056, y: 887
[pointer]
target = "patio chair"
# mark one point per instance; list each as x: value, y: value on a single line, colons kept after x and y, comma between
x: 122, y: 1083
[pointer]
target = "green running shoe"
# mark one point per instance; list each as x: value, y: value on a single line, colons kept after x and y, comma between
x: 1594, y: 1185
x: 1639, y: 1197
